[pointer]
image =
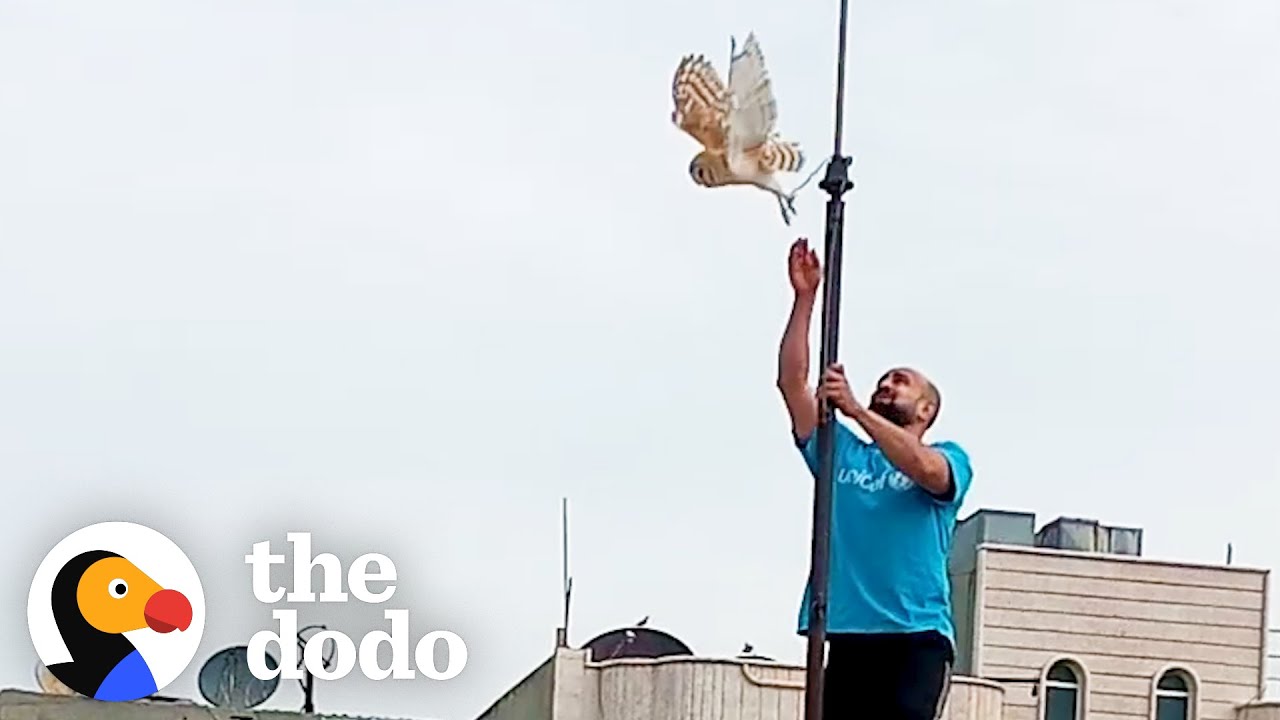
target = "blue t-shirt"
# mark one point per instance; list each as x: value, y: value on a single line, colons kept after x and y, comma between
x: 889, y: 541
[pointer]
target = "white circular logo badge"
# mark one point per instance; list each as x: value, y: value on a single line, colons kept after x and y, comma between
x: 116, y: 611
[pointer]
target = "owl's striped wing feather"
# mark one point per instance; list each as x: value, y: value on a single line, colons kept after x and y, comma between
x: 701, y: 104
x: 779, y: 156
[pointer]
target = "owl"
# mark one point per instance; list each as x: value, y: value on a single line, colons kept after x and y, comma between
x: 735, y: 125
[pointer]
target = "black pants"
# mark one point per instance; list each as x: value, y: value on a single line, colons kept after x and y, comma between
x: 886, y: 677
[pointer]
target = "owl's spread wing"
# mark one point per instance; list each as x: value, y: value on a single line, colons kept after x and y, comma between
x: 701, y: 104
x: 753, y: 112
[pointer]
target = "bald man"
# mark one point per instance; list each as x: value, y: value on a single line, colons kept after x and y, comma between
x: 894, y: 505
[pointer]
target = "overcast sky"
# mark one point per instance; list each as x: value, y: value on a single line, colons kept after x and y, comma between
x: 404, y: 274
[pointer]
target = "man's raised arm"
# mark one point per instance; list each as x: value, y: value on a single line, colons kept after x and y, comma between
x: 793, y: 355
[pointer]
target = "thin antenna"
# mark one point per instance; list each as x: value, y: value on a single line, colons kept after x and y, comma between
x: 566, y: 582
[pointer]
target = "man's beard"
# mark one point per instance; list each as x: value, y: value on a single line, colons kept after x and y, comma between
x: 896, y: 414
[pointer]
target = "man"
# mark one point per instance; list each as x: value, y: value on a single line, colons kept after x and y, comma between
x: 894, y: 505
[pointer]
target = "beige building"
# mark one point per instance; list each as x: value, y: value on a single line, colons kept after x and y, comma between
x: 1075, y: 624
x: 1068, y: 623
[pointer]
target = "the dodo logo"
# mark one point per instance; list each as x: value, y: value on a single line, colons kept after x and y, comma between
x: 116, y: 611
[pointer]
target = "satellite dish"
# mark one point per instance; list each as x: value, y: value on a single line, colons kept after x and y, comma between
x: 50, y: 684
x: 636, y: 642
x: 225, y: 680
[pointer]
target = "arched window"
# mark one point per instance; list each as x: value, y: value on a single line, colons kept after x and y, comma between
x: 1174, y: 696
x: 1062, y: 692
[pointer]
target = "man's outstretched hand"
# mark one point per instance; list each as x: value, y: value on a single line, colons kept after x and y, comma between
x: 835, y: 389
x: 804, y: 268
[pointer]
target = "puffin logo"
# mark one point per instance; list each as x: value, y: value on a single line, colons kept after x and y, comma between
x: 116, y: 611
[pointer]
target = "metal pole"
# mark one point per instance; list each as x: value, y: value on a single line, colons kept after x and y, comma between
x: 836, y: 183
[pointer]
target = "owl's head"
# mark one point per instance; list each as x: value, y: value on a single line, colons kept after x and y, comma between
x: 703, y: 170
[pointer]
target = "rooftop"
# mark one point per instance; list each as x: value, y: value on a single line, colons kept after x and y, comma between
x: 28, y: 705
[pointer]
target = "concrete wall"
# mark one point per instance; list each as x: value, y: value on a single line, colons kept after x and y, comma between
x: 984, y: 526
x: 961, y: 575
x: 689, y: 688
